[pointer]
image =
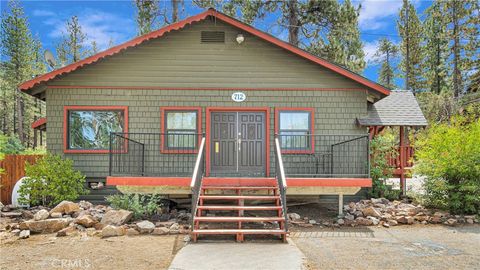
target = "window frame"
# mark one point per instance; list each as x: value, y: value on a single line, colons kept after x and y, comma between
x: 163, y: 113
x: 311, y: 111
x: 66, y: 131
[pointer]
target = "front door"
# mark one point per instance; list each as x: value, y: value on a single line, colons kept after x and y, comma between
x: 237, y: 144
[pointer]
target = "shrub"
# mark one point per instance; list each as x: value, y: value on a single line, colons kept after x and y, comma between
x: 50, y: 181
x: 382, y: 147
x: 142, y: 205
x: 10, y: 145
x: 449, y: 157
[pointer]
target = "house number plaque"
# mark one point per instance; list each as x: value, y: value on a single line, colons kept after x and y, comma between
x: 239, y: 97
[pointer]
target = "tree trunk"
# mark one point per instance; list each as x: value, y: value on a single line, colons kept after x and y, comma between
x: 456, y: 50
x: 293, y: 23
x: 407, y: 60
x: 174, y: 11
x: 20, y: 132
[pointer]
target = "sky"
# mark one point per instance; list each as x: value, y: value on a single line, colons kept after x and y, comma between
x: 103, y: 21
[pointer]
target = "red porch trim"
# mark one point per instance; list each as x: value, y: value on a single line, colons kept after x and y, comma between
x: 92, y: 108
x: 239, y: 109
x: 163, y: 129
x: 148, y: 181
x: 312, y: 127
x: 39, y: 123
x: 219, y: 181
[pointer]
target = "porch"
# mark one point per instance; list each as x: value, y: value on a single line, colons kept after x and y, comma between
x: 160, y: 159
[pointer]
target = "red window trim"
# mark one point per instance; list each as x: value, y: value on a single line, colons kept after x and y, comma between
x: 163, y: 131
x: 92, y: 108
x: 312, y: 127
x: 209, y: 111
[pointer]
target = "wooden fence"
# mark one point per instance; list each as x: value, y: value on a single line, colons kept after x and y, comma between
x: 14, y: 169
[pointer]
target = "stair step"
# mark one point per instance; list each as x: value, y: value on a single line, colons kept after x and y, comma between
x: 239, y: 187
x: 233, y: 207
x: 242, y: 219
x: 237, y: 231
x: 242, y: 197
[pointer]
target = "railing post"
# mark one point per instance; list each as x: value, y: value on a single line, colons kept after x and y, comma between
x: 110, y: 163
x: 368, y: 156
x: 143, y: 159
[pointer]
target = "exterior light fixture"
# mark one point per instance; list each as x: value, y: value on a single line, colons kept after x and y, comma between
x: 240, y: 38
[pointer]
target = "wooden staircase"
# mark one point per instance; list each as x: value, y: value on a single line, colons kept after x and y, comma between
x: 236, y: 209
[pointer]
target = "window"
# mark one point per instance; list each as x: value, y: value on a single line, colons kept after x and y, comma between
x: 295, y: 127
x: 181, y: 127
x: 88, y: 128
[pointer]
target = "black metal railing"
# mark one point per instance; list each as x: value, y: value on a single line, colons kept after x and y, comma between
x: 281, y: 180
x: 153, y: 154
x: 196, y: 183
x: 325, y: 156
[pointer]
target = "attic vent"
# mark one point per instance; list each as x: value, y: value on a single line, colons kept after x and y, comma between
x: 213, y: 37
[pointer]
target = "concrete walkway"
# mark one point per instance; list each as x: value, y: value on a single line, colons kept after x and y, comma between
x: 231, y: 256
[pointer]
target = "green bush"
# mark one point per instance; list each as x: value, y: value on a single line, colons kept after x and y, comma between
x: 449, y: 156
x: 50, y: 181
x: 142, y: 205
x: 382, y: 147
x: 10, y: 145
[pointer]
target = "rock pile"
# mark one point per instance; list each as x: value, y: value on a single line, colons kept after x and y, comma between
x: 70, y: 218
x: 382, y: 212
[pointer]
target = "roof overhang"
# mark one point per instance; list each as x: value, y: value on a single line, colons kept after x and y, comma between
x: 31, y: 86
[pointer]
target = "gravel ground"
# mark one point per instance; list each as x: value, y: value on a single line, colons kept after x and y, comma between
x: 80, y: 252
x: 402, y: 247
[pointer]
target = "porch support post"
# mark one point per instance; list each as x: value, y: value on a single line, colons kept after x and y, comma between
x: 340, y: 205
x: 402, y: 154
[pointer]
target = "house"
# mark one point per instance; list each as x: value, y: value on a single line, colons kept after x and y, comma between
x: 212, y: 103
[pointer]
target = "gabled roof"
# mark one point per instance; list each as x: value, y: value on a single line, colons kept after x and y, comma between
x: 400, y: 108
x: 202, y: 16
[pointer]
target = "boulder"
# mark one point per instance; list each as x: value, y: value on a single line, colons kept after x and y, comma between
x: 41, y: 215
x: 110, y: 230
x: 56, y: 215
x: 11, y: 214
x: 451, y: 222
x: 85, y: 205
x: 45, y: 226
x: 86, y: 221
x: 349, y: 217
x: 66, y: 231
x: 116, y: 217
x: 375, y: 221
x: 160, y: 231
x: 370, y: 211
x: 402, y: 220
x: 131, y: 232
x: 174, y: 228
x: 145, y: 226
x: 65, y: 207
x: 392, y: 222
x: 24, y: 234
x: 294, y: 216
x: 363, y: 221
x: 340, y: 221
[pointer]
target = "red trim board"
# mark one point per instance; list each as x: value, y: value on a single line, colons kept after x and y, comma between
x: 239, y: 109
x: 202, y: 16
x: 93, y: 108
x: 163, y: 130
x: 39, y: 122
x: 213, y: 181
x: 312, y: 128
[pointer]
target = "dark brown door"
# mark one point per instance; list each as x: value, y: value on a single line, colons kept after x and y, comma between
x: 238, y: 144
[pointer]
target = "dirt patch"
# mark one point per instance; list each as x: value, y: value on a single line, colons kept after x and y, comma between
x: 83, y: 252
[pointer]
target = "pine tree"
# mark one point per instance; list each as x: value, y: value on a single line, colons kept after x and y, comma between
x: 94, y: 49
x: 463, y: 31
x: 72, y: 47
x: 411, y: 33
x: 16, y: 45
x: 146, y: 15
x: 344, y: 45
x: 385, y: 54
x: 436, y: 49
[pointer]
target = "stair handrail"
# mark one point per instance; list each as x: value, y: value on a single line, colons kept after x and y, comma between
x: 197, y: 176
x: 281, y: 179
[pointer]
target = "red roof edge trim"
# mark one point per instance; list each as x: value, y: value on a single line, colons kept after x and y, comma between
x: 114, y: 50
x: 39, y: 122
x: 181, y: 24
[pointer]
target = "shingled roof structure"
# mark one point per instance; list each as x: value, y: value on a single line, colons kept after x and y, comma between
x: 400, y: 108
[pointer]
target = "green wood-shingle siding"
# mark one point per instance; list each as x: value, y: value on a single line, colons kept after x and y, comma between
x: 335, y: 112
x: 179, y: 59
